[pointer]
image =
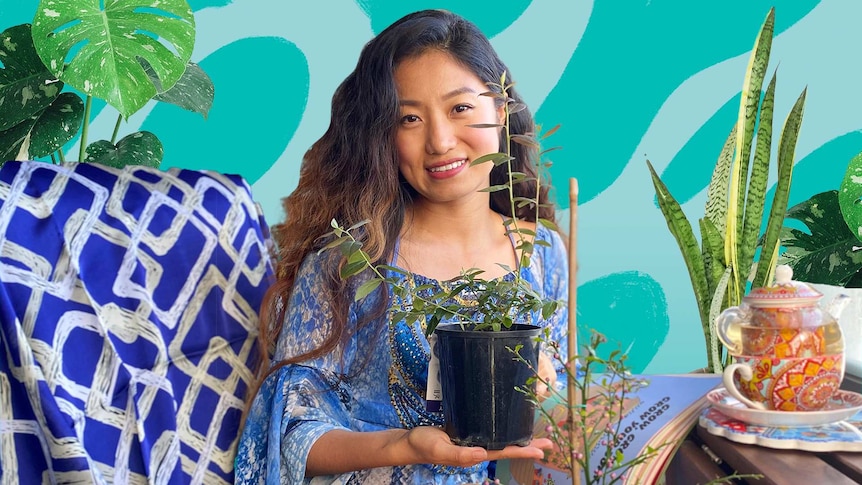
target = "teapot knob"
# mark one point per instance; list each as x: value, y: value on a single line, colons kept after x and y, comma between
x: 783, y: 274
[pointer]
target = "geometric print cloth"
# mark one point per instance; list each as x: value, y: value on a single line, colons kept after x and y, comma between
x: 128, y: 317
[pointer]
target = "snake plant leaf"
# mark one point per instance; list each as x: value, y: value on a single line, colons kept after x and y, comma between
x: 57, y: 125
x: 716, y: 306
x: 717, y: 280
x: 716, y: 193
x: 849, y: 196
x: 193, y: 92
x: 682, y: 232
x: 26, y: 86
x: 754, y: 74
x: 96, y: 50
x: 756, y: 196
x: 713, y: 253
x: 830, y: 254
x: 786, y: 152
x: 138, y: 148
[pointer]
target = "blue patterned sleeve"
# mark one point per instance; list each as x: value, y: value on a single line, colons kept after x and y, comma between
x: 298, y: 403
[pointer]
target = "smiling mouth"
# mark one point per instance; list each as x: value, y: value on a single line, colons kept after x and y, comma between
x: 448, y: 166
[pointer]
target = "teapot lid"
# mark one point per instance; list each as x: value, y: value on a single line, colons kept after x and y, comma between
x: 784, y: 293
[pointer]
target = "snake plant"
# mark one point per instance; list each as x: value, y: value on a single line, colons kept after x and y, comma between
x: 731, y: 228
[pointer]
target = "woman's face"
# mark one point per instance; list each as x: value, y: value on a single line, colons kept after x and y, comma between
x: 439, y: 99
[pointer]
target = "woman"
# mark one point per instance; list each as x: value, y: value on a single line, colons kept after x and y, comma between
x: 342, y: 395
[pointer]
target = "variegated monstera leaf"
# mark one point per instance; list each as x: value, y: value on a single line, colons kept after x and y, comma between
x: 35, y: 117
x: 831, y: 251
x: 103, y: 51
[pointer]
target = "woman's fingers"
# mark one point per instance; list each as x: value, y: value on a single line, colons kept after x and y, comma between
x: 436, y: 446
x: 535, y: 450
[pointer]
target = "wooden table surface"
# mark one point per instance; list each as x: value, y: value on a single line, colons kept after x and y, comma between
x: 703, y: 457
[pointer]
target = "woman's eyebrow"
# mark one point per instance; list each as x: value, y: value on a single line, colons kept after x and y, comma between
x: 449, y: 95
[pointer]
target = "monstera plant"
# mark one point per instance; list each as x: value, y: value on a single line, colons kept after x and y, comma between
x: 125, y: 53
x: 730, y: 229
x: 831, y: 251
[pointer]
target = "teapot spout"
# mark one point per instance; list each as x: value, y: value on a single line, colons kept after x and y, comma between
x: 837, y: 305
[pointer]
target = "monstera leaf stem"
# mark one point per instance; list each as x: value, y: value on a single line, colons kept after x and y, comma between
x: 85, y: 126
x: 116, y: 128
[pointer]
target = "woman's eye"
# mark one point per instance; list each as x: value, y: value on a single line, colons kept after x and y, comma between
x: 409, y: 119
x: 462, y: 108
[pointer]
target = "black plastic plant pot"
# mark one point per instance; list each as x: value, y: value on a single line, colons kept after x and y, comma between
x: 479, y: 377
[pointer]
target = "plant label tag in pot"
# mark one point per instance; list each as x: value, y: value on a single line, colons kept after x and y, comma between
x: 434, y: 390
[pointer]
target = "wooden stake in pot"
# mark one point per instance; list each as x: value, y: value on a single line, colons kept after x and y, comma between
x: 573, y: 397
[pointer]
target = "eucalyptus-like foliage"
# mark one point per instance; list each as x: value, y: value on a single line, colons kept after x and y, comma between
x: 124, y: 52
x: 831, y: 251
x: 720, y: 264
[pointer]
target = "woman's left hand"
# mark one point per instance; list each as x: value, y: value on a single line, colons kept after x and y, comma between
x: 534, y: 450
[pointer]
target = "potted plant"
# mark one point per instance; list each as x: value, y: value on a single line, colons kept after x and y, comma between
x: 476, y: 341
x: 826, y: 254
x: 829, y: 252
x: 110, y: 53
x: 730, y: 229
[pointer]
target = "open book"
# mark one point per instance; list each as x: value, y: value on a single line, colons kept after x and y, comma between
x: 657, y: 416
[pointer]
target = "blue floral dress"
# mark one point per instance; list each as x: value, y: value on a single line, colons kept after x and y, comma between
x: 378, y: 382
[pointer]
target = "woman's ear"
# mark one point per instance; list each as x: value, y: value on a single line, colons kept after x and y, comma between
x: 501, y: 113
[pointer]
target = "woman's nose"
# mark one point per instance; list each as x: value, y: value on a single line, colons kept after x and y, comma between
x: 440, y: 137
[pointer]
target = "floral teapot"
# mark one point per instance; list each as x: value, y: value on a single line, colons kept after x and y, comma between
x: 783, y: 321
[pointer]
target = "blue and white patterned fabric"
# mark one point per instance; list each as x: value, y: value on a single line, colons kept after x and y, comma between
x: 128, y: 318
x: 379, y: 384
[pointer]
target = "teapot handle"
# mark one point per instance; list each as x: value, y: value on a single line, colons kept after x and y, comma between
x: 730, y: 316
x: 837, y: 305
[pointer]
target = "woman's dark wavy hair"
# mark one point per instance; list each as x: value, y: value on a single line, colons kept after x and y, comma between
x: 349, y: 174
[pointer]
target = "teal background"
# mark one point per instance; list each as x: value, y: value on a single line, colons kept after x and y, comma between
x: 627, y: 80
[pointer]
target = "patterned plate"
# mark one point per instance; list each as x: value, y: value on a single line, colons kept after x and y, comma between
x: 843, y: 435
x: 842, y: 405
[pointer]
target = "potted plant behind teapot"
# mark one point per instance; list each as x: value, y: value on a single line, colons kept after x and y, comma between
x: 788, y: 351
x: 474, y: 325
x: 719, y: 267
x: 825, y: 254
